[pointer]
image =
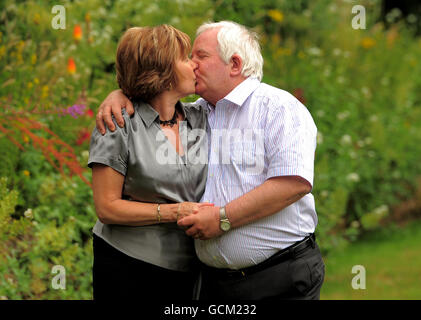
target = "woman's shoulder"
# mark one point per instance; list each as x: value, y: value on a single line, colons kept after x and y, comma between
x: 194, y: 107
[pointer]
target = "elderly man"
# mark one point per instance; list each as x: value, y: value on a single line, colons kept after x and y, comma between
x: 258, y: 241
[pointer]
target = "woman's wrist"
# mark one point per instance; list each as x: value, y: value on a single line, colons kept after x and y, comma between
x: 168, y: 212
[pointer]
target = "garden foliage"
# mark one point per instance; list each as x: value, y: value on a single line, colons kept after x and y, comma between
x: 362, y: 87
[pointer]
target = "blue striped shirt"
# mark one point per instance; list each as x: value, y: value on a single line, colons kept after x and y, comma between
x: 257, y: 132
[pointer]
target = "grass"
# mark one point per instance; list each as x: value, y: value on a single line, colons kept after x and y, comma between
x: 392, y: 261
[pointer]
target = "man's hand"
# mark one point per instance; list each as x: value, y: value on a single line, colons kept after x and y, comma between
x: 188, y: 208
x: 113, y: 104
x: 204, y: 225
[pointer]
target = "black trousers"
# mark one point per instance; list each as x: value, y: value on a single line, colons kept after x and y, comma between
x: 119, y: 276
x: 299, y: 278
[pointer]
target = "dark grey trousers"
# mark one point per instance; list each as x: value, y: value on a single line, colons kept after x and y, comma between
x: 299, y: 278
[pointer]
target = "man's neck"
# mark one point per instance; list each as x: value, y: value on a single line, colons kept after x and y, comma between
x: 234, y: 84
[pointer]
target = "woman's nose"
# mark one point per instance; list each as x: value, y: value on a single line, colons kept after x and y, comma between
x: 194, y: 64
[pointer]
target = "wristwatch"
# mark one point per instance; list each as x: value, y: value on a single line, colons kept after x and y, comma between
x: 224, y: 223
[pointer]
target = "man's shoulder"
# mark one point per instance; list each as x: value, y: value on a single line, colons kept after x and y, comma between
x: 274, y: 94
x: 281, y: 102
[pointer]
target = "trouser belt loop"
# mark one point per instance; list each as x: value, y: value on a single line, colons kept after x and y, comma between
x: 313, y: 240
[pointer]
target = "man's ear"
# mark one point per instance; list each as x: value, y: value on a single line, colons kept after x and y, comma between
x: 236, y: 65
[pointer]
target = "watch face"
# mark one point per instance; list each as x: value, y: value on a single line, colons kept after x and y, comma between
x: 225, y: 226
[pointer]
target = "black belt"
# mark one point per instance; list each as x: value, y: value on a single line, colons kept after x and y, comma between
x: 277, y: 258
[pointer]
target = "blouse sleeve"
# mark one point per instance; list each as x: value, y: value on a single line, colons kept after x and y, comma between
x: 111, y: 149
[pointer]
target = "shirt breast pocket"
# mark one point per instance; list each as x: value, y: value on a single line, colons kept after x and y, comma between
x: 247, y: 155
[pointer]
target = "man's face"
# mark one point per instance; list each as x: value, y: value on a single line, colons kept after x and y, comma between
x: 212, y: 74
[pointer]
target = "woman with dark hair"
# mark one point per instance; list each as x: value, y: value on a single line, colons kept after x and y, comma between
x: 142, y: 179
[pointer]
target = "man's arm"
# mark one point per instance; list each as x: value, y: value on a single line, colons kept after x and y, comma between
x: 270, y: 197
x: 113, y: 104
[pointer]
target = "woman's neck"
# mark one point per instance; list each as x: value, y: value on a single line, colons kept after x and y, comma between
x: 164, y: 104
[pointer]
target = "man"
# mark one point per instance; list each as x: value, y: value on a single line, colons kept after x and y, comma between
x: 257, y: 242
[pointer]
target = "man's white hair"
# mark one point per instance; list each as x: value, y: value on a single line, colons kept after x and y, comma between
x: 234, y: 38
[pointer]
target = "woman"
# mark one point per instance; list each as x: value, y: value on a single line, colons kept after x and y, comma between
x: 141, y: 177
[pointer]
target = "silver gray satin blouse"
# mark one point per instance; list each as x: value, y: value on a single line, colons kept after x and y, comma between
x: 154, y: 173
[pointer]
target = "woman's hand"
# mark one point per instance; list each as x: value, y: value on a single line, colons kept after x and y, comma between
x: 185, y: 209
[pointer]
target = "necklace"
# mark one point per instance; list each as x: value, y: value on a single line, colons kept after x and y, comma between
x: 170, y: 122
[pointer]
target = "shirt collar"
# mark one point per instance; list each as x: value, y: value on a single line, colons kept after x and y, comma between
x: 241, y: 92
x: 150, y: 115
x: 237, y: 96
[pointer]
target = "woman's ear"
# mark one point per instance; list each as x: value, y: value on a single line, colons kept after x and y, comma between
x: 236, y: 65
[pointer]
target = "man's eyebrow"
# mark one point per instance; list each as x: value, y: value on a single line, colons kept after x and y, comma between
x: 201, y: 51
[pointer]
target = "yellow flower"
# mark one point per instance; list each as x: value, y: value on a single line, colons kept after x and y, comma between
x: 34, y: 58
x: 283, y: 52
x: 44, y: 92
x: 2, y: 51
x: 21, y: 45
x: 368, y: 43
x: 30, y: 85
x: 26, y: 173
x: 276, y: 15
x: 301, y: 55
x: 26, y: 139
x: 37, y: 18
x: 36, y: 81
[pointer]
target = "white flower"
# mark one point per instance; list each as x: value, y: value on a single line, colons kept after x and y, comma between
x: 320, y: 113
x: 337, y: 52
x: 151, y: 9
x: 324, y: 193
x: 175, y: 20
x: 342, y: 115
x: 346, y: 139
x: 353, y: 154
x: 353, y: 177
x: 355, y: 224
x: 307, y: 13
x: 340, y: 80
x: 28, y: 213
x: 366, y: 92
x: 382, y: 210
x: 412, y: 18
x: 333, y: 8
x: 314, y: 51
x: 374, y: 118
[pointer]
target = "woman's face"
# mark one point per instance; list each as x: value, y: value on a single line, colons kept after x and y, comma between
x: 186, y: 77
